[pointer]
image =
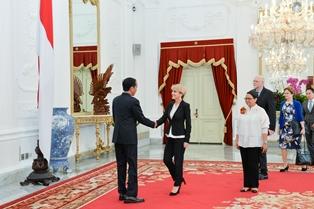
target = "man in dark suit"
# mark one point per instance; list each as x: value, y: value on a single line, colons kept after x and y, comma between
x: 126, y: 113
x: 265, y: 100
x: 308, y: 111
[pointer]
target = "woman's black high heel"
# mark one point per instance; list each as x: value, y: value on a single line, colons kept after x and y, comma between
x: 304, y: 168
x: 284, y: 169
x: 175, y: 193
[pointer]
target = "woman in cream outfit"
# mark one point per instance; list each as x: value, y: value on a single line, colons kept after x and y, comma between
x: 252, y: 129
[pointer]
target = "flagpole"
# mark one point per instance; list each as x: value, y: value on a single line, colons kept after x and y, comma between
x: 41, y: 173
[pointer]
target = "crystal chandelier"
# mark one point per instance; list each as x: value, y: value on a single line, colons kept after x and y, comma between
x: 282, y: 33
x: 285, y: 60
x: 289, y: 22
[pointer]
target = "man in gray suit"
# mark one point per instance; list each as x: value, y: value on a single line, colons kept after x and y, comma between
x: 308, y: 112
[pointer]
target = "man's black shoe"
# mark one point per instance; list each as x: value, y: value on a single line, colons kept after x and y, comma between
x: 133, y: 200
x: 262, y: 176
x: 122, y: 197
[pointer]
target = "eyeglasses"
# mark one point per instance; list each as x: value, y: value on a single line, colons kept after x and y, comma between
x: 248, y: 98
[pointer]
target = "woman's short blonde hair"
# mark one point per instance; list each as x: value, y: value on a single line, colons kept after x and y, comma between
x: 179, y: 88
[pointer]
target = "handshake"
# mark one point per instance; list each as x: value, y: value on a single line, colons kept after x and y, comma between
x: 148, y: 123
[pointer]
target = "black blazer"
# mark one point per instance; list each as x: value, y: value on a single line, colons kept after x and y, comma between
x: 126, y: 112
x: 183, y: 114
x: 266, y: 100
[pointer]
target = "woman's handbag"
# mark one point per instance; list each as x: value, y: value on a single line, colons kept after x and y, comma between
x: 303, y: 156
x: 296, y: 128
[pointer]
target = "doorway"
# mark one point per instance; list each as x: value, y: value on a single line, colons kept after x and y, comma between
x: 206, y: 115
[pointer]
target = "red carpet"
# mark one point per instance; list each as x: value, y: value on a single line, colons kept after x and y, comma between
x: 220, y: 191
x: 209, y: 185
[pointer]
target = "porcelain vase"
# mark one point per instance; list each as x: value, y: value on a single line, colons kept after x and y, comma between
x: 61, y: 138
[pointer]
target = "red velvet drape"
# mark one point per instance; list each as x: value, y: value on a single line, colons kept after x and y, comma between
x: 174, y: 54
x: 84, y: 56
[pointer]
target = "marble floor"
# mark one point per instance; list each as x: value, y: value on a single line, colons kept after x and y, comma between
x: 10, y: 188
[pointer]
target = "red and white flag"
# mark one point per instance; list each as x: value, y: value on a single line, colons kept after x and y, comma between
x: 46, y: 75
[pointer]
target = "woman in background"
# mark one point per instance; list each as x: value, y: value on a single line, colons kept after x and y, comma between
x: 290, y: 110
x: 252, y: 130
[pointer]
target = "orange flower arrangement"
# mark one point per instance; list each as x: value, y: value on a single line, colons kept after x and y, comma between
x: 242, y: 110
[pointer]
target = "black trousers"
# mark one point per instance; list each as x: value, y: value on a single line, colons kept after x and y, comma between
x: 126, y: 154
x: 250, y: 158
x: 263, y: 163
x: 174, y: 148
x: 309, y: 135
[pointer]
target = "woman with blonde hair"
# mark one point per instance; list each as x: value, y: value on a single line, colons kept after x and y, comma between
x: 290, y: 114
x: 178, y: 114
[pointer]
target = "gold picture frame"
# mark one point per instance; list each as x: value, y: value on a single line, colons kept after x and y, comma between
x: 94, y: 3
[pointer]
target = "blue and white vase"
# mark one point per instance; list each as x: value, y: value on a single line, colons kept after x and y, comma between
x: 61, y: 138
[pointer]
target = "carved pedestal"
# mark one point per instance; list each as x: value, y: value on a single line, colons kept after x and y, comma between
x: 41, y: 174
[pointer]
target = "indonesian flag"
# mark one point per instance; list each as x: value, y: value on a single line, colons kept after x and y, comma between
x: 46, y: 75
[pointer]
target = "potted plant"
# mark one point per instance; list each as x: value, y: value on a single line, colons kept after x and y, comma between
x: 297, y: 86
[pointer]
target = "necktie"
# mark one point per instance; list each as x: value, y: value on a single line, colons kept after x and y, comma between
x: 310, y: 105
x: 258, y: 93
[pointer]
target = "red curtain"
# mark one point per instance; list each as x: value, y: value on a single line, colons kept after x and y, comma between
x: 84, y: 56
x: 218, y: 52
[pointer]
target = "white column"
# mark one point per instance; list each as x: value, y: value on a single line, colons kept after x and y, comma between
x: 151, y: 56
x: 113, y: 48
x: 6, y: 79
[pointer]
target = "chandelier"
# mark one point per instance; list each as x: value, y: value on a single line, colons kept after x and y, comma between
x: 282, y: 32
x: 288, y: 22
x: 285, y: 60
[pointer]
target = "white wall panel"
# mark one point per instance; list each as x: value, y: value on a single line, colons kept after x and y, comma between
x: 154, y: 21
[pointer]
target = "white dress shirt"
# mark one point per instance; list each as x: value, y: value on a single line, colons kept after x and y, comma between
x: 251, y: 125
x: 259, y: 92
x: 172, y: 112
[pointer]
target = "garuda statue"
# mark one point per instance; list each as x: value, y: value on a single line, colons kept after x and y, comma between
x: 99, y: 90
x: 78, y: 92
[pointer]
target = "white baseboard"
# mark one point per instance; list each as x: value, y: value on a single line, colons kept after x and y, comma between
x: 18, y: 133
